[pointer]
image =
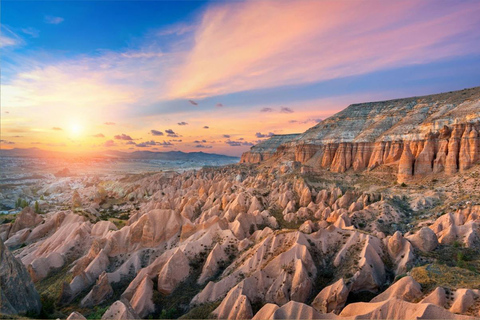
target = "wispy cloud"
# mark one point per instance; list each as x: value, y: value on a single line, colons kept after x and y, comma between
x: 57, y: 129
x: 183, y: 123
x: 176, y: 29
x: 123, y: 136
x: 151, y: 143
x: 53, y: 20
x: 8, y: 38
x: 34, y: 33
x: 238, y: 143
x: 203, y: 146
x: 99, y: 135
x: 109, y: 143
x: 286, y: 110
x: 171, y: 133
x: 309, y: 120
x: 156, y: 132
x: 322, y: 40
x: 262, y: 135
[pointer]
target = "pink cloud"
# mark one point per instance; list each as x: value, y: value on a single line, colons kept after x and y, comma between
x: 275, y: 43
x: 109, y: 143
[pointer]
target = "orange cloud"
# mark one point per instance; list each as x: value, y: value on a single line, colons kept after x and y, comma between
x: 262, y: 44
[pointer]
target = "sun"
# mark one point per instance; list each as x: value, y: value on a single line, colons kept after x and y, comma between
x: 76, y: 129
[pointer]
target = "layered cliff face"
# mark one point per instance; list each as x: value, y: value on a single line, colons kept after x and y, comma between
x: 266, y: 149
x: 421, y: 135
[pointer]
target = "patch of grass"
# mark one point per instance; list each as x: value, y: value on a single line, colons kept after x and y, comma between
x: 433, y: 275
x: 50, y: 291
x: 455, y: 255
x: 203, y: 311
x: 7, y: 218
x: 51, y: 286
x: 97, y: 312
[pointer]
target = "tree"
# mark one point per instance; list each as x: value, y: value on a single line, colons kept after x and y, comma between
x: 37, y: 207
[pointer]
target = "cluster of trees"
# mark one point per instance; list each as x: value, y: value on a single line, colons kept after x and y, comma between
x: 22, y: 203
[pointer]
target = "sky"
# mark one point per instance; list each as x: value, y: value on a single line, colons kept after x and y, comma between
x: 217, y: 76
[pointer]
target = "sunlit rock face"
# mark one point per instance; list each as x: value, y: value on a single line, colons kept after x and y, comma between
x: 420, y: 135
x: 267, y: 149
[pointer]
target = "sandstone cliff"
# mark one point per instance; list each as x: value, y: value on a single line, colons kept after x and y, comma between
x: 419, y: 135
x: 266, y: 149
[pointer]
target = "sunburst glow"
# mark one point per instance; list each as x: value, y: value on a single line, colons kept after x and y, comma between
x: 76, y: 129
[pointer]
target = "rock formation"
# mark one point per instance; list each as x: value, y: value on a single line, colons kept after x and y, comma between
x: 18, y: 295
x: 420, y: 135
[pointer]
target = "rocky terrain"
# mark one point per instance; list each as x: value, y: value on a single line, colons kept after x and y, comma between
x: 417, y: 136
x: 285, y: 238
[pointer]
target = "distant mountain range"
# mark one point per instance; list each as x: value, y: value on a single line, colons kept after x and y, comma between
x: 149, y: 155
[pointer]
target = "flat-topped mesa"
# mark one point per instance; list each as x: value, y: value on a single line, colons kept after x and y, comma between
x: 421, y: 135
x: 266, y: 149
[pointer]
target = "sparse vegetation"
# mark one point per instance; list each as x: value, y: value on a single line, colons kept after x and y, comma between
x: 21, y: 203
x: 37, y: 207
x: 282, y: 223
x: 203, y: 311
x: 433, y: 275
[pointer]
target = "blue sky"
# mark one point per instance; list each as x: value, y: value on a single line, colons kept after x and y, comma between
x: 89, y: 26
x: 76, y: 65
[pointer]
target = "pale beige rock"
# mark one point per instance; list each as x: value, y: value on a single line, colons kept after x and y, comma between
x: 215, y: 258
x: 397, y: 309
x: 437, y: 297
x: 175, y: 270
x: 100, y: 292
x: 26, y: 219
x: 464, y: 299
x: 295, y: 310
x: 266, y: 312
x: 401, y: 251
x: 332, y: 298
x: 119, y: 310
x: 406, y: 289
x: 142, y: 299
x: 425, y: 240
x: 234, y: 306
